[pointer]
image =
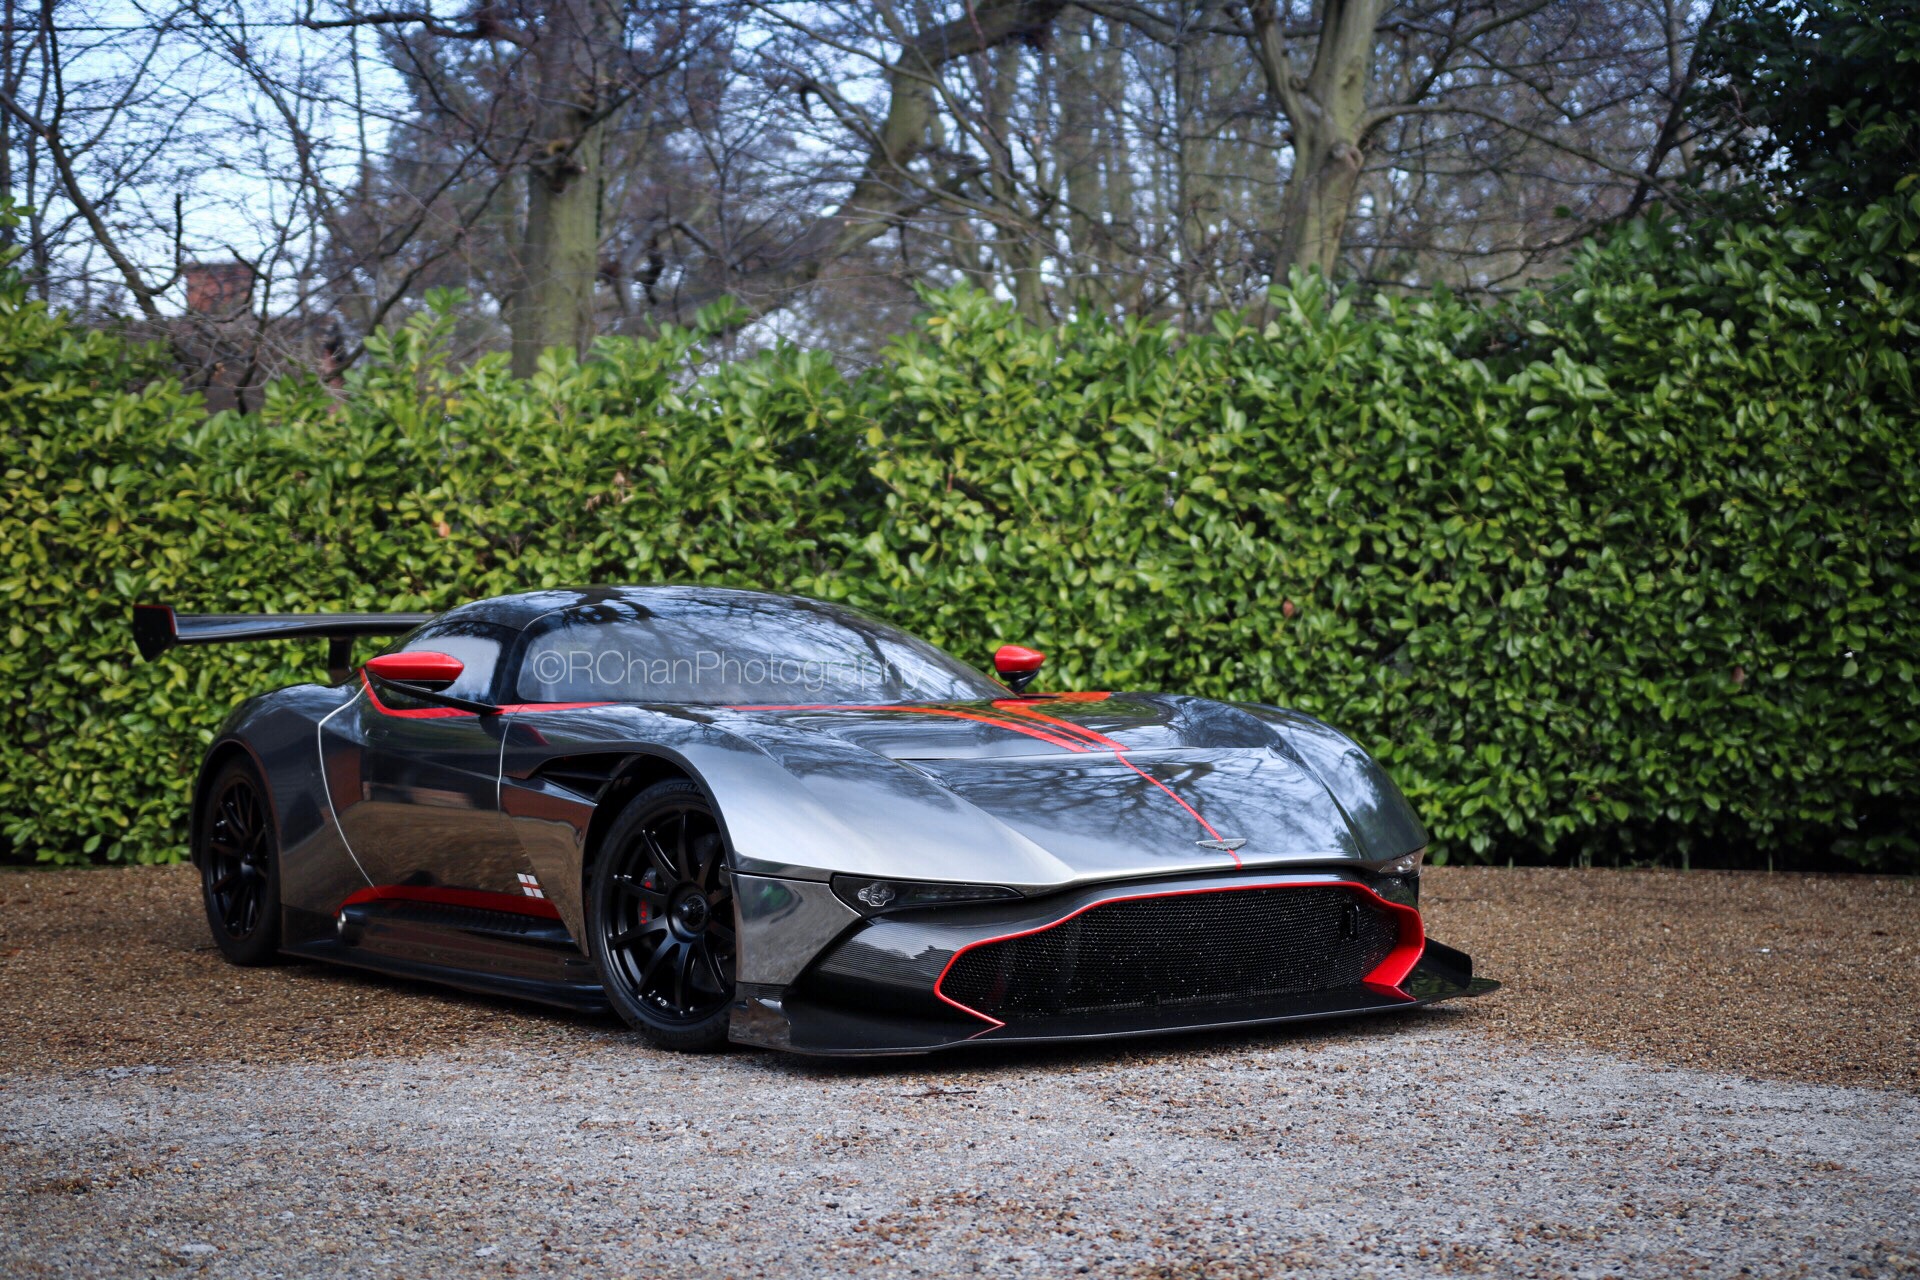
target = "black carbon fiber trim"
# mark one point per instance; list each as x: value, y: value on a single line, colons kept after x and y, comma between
x: 1178, y: 951
x: 483, y: 920
x: 912, y: 956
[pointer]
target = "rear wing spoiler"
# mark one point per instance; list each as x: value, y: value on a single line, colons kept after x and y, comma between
x: 157, y: 628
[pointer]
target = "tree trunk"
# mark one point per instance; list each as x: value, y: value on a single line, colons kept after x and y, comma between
x: 1121, y: 275
x: 1328, y: 113
x: 1016, y: 239
x: 7, y: 23
x: 887, y: 190
x: 1079, y: 162
x: 1316, y: 201
x: 1189, y: 223
x: 560, y: 255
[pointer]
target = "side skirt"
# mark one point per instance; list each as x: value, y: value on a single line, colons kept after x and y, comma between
x: 492, y: 953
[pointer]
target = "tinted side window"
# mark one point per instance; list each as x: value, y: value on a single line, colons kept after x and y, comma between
x: 734, y: 651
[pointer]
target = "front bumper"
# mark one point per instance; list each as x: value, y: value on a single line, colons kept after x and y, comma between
x: 1115, y: 960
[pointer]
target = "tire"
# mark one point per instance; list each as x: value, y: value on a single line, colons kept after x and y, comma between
x: 660, y: 919
x: 238, y: 855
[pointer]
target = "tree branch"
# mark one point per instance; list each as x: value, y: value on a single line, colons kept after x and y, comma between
x: 885, y: 192
x: 1269, y: 44
x: 1380, y: 115
x: 485, y: 26
x: 1676, y: 115
x: 143, y: 294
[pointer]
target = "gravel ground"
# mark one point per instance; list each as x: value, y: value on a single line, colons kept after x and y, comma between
x: 1427, y: 1151
x: 1671, y: 1085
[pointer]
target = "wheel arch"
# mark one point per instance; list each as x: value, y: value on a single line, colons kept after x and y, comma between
x: 218, y: 756
x: 632, y: 774
x: 624, y: 774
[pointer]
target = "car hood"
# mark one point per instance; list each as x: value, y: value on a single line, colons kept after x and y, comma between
x: 1060, y: 790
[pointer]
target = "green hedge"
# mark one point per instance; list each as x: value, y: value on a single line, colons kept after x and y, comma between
x: 1624, y: 571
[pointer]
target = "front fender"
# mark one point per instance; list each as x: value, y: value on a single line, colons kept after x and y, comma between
x: 1382, y: 821
x: 792, y: 807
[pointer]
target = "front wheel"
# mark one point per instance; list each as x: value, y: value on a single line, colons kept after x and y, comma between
x: 239, y: 865
x: 660, y: 920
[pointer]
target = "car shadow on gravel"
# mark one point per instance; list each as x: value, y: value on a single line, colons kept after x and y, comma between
x: 523, y: 1022
x: 985, y: 1062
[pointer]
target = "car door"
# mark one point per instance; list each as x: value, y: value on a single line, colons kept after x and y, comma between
x: 415, y: 785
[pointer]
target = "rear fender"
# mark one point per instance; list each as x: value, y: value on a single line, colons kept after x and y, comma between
x: 279, y: 733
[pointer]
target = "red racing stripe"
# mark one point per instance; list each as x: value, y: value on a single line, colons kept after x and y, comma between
x: 1064, y: 733
x: 1029, y: 730
x: 1119, y: 750
x: 1079, y: 731
x: 441, y: 895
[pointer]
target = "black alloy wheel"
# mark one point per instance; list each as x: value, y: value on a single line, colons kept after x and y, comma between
x: 239, y: 865
x: 661, y: 919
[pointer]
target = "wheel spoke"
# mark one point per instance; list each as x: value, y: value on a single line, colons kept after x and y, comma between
x: 657, y: 852
x: 230, y: 819
x: 660, y: 952
x: 225, y: 881
x: 682, y: 863
x: 627, y: 937
x: 709, y: 845
x: 655, y: 900
x: 680, y: 972
x: 256, y: 816
x: 713, y: 965
x: 235, y: 915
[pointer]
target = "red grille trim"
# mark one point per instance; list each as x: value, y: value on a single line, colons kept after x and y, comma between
x: 1386, y: 977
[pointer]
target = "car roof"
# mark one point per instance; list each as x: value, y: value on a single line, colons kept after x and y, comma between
x: 517, y: 611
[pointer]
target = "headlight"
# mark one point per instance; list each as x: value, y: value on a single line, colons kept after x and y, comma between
x: 1407, y: 866
x: 872, y: 897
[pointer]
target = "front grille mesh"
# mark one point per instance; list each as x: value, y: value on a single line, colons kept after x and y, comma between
x: 1179, y: 951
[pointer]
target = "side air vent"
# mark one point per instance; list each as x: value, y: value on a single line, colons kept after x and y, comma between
x: 588, y: 776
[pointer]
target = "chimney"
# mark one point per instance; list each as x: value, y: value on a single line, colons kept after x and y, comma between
x: 219, y: 289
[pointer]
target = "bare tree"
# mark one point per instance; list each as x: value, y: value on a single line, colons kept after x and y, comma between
x: 893, y: 184
x: 573, y: 70
x: 78, y: 131
x: 583, y: 166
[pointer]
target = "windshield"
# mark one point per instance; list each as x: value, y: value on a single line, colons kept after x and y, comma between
x: 743, y: 650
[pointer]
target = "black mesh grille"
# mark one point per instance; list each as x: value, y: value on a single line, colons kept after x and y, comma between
x: 1179, y: 951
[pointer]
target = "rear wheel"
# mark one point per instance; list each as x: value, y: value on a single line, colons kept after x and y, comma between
x: 660, y: 918
x: 239, y: 865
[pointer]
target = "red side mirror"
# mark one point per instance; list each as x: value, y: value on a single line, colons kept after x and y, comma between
x: 429, y: 670
x: 1017, y: 666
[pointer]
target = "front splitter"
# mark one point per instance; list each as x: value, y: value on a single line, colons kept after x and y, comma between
x: 774, y: 1019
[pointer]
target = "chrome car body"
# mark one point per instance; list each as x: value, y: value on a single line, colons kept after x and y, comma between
x: 1147, y: 862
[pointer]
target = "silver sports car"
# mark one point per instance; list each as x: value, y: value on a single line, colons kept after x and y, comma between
x: 729, y: 815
